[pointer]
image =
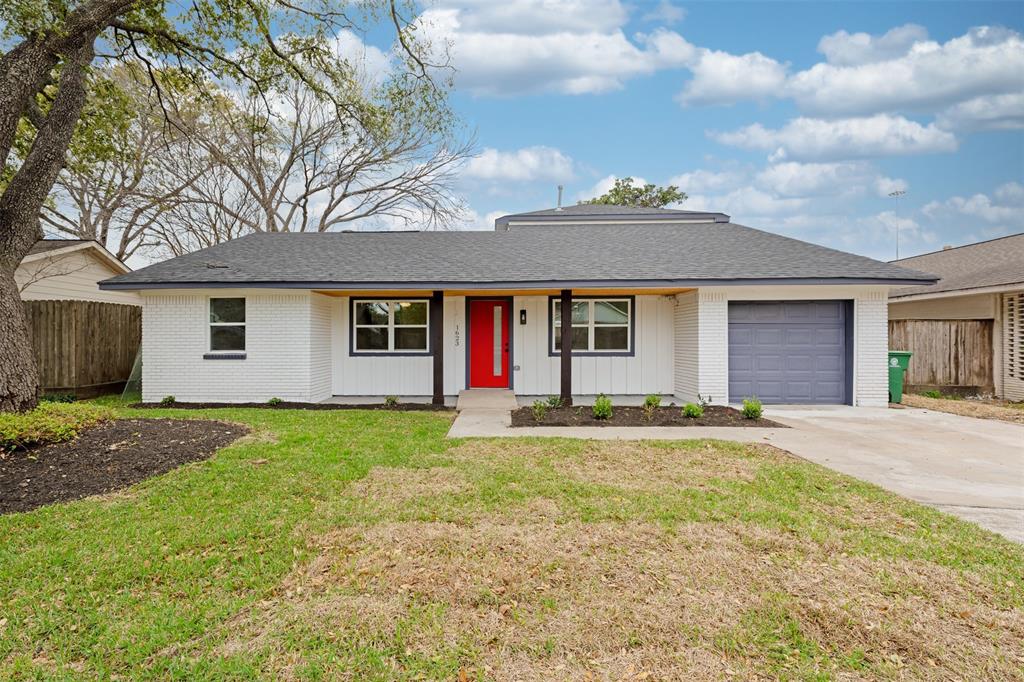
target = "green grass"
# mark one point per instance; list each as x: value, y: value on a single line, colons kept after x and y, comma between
x: 155, y: 581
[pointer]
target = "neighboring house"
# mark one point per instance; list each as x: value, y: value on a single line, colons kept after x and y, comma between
x: 69, y: 269
x: 967, y: 331
x: 679, y: 303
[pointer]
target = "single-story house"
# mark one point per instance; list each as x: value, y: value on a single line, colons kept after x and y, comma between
x: 678, y: 303
x: 966, y: 331
x: 69, y: 269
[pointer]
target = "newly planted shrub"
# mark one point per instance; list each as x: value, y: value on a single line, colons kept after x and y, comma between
x: 603, y: 407
x: 274, y: 401
x: 168, y: 400
x: 693, y: 411
x: 540, y: 409
x: 391, y: 400
x: 48, y: 423
x: 651, y: 405
x: 752, y: 408
x: 555, y: 401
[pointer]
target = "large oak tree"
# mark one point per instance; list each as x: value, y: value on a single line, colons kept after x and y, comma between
x: 256, y: 44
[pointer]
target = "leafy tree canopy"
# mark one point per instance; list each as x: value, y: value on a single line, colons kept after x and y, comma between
x: 625, y: 193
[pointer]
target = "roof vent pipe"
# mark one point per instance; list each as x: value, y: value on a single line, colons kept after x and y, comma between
x: 559, y: 207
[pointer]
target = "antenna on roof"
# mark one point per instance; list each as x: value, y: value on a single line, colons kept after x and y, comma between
x: 559, y: 207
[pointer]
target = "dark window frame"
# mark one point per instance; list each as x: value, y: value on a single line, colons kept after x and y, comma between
x: 353, y: 352
x: 211, y: 351
x: 594, y: 353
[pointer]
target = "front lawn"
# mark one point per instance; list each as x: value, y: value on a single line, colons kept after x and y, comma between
x: 362, y: 545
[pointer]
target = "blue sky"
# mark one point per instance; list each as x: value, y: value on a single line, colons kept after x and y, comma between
x: 793, y: 117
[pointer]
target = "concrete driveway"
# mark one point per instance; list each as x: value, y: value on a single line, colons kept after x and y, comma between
x: 972, y: 468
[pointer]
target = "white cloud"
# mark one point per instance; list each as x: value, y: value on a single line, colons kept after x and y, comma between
x: 603, y: 185
x: 746, y: 204
x: 795, y: 179
x: 884, y: 186
x: 529, y: 164
x: 850, y: 138
x: 849, y: 49
x: 371, y: 63
x: 1005, y: 207
x: 995, y: 112
x: 666, y: 13
x: 984, y: 61
x: 723, y: 78
x: 531, y: 46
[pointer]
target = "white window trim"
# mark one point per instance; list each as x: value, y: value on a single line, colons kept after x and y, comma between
x: 211, y: 325
x: 390, y: 326
x: 591, y: 324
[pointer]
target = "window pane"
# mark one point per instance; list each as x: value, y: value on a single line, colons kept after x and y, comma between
x: 580, y: 311
x: 611, y: 338
x: 227, y: 338
x: 372, y: 338
x: 375, y: 312
x: 407, y: 312
x: 410, y: 338
x: 580, y: 338
x: 227, y: 310
x: 611, y: 312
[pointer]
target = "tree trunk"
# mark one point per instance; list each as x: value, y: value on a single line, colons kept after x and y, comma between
x: 19, y: 378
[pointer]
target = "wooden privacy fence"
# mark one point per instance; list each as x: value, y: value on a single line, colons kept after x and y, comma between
x: 83, y: 347
x: 946, y: 352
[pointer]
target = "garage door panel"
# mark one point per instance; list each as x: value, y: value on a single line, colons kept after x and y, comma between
x: 788, y: 351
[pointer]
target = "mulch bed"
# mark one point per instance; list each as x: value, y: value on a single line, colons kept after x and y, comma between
x: 106, y: 458
x: 400, y: 407
x: 714, y: 415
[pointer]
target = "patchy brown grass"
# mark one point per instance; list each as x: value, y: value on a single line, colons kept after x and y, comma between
x: 540, y: 600
x: 982, y: 409
x: 534, y: 592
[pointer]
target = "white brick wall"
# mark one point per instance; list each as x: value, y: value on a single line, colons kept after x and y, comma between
x: 713, y: 339
x: 687, y: 363
x: 175, y: 336
x: 871, y: 346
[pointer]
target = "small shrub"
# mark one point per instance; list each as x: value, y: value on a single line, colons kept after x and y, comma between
x: 555, y: 401
x: 540, y: 409
x: 391, y: 400
x: 168, y: 400
x: 49, y: 423
x: 275, y: 401
x: 752, y: 408
x: 603, y: 407
x: 932, y: 394
x: 57, y: 398
x: 651, y: 405
x: 693, y: 411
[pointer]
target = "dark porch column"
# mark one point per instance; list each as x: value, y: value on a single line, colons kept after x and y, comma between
x: 437, y: 344
x: 566, y: 356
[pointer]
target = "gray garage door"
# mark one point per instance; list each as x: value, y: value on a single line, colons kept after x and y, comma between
x: 788, y: 351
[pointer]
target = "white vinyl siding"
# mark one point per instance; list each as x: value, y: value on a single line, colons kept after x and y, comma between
x: 1013, y: 346
x: 687, y: 365
x: 71, y: 276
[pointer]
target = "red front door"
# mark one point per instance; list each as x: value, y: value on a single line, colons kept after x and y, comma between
x: 488, y: 344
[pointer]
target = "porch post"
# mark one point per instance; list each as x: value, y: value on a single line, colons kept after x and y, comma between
x: 437, y: 344
x: 566, y: 382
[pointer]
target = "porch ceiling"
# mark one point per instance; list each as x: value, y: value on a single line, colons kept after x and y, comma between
x: 409, y: 293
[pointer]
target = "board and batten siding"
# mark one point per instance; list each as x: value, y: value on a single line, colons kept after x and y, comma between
x: 687, y: 356
x: 320, y: 353
x: 650, y: 370
x: 1012, y: 319
x: 69, y: 277
x: 399, y: 375
x: 175, y: 336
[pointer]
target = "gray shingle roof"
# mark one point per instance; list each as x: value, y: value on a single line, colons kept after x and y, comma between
x: 45, y: 245
x: 997, y: 262
x: 606, y: 212
x: 684, y: 254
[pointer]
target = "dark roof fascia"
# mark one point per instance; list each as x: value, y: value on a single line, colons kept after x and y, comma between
x: 504, y: 220
x: 108, y: 285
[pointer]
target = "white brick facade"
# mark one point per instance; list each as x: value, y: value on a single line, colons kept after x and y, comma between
x: 297, y: 348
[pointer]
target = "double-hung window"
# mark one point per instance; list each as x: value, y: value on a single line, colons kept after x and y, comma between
x: 227, y: 324
x: 390, y: 326
x: 599, y: 325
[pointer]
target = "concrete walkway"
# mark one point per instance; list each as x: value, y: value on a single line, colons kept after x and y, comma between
x: 972, y: 468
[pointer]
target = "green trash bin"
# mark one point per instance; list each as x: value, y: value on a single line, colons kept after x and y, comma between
x: 899, y: 360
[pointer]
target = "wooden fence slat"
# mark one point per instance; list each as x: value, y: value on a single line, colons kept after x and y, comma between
x: 81, y: 344
x: 945, y: 352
